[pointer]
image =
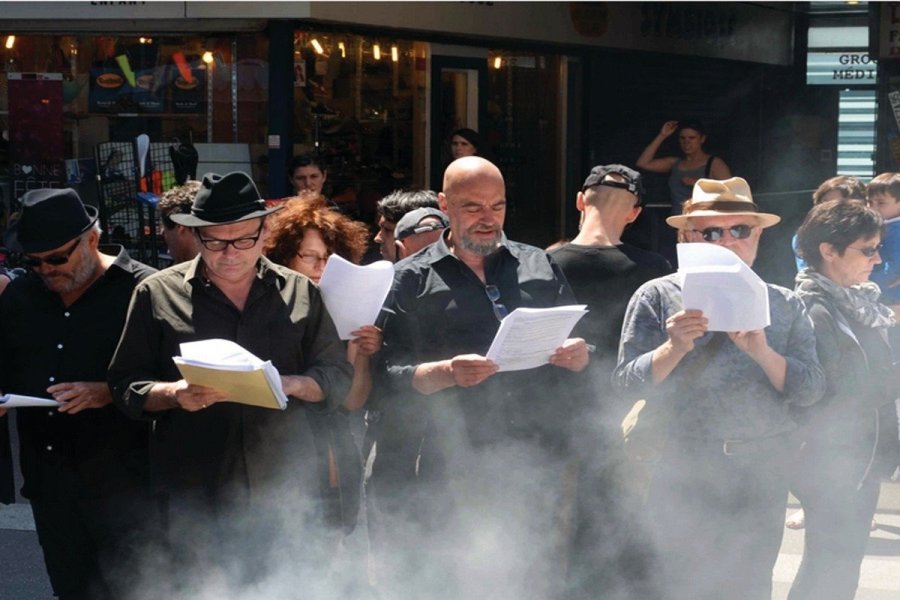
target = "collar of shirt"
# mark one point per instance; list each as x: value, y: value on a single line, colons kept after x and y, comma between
x: 266, y: 271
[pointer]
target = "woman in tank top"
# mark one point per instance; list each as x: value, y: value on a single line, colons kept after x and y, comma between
x: 686, y: 170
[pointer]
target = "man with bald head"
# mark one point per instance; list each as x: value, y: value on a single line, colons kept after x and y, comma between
x: 491, y: 441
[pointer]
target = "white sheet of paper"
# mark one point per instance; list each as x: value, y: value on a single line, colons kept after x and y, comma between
x: 220, y: 354
x: 17, y: 401
x: 528, y: 337
x: 353, y: 294
x: 716, y: 281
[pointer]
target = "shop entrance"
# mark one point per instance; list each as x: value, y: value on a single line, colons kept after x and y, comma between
x: 458, y: 99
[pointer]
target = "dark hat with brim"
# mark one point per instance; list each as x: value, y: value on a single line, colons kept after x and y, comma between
x: 225, y: 199
x: 51, y: 218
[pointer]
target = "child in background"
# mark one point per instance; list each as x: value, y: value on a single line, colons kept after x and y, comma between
x: 883, y: 194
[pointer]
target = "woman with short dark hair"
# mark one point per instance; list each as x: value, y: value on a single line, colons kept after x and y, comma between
x: 850, y: 435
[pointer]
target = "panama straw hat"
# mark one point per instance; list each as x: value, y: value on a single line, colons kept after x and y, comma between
x: 714, y: 198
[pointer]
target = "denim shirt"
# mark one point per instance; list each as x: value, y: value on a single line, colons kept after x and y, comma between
x: 732, y: 398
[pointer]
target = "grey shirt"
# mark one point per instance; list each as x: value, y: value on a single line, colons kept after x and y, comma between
x: 732, y: 398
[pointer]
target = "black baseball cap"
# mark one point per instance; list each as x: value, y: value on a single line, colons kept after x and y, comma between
x: 600, y: 176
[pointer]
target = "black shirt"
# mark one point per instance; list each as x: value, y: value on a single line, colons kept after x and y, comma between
x: 604, y: 278
x: 232, y: 448
x: 438, y: 308
x: 43, y: 342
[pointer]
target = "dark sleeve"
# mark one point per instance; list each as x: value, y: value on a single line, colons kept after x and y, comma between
x: 135, y: 366
x: 804, y: 380
x: 565, y: 295
x: 643, y: 331
x: 325, y: 355
x: 7, y: 482
x: 400, y: 353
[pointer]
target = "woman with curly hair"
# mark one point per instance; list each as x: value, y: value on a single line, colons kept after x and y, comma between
x: 301, y: 237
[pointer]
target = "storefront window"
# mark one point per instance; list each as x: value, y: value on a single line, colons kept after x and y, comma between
x: 359, y: 106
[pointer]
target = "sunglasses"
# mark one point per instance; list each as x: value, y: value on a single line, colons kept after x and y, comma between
x: 714, y: 234
x: 868, y: 252
x: 33, y: 262
x: 493, y: 294
x: 217, y: 245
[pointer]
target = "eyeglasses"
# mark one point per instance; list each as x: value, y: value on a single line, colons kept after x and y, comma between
x: 244, y: 243
x: 33, y: 262
x: 868, y: 252
x: 313, y: 260
x: 714, y: 234
x: 493, y: 294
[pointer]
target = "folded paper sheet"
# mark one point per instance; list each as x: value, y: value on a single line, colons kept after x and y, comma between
x: 528, y: 337
x: 716, y: 281
x: 17, y: 401
x: 354, y: 294
x: 228, y: 367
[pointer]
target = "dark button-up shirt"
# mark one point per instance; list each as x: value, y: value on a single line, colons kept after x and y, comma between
x: 732, y: 398
x: 438, y: 308
x: 43, y: 342
x: 243, y: 449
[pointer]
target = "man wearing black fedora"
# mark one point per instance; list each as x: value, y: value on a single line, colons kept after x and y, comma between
x: 229, y: 471
x: 84, y: 463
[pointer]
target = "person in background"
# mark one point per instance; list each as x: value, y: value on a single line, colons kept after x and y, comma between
x: 390, y: 210
x: 417, y: 229
x: 721, y: 480
x: 308, y: 173
x: 842, y: 187
x: 883, y: 194
x: 302, y: 237
x: 604, y: 272
x: 683, y: 170
x: 850, y: 437
x: 85, y: 465
x: 181, y: 242
x: 465, y: 142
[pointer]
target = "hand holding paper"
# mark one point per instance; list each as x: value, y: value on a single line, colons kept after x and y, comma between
x: 528, y: 337
x: 227, y: 367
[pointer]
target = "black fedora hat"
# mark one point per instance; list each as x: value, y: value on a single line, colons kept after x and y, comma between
x: 224, y: 199
x: 50, y: 218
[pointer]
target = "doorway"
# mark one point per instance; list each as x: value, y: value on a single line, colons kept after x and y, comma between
x: 457, y: 100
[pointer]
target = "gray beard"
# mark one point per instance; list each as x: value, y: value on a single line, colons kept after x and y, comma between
x: 485, y: 249
x: 80, y: 277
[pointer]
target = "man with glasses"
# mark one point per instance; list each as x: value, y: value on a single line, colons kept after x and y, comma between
x: 491, y: 441
x: 604, y: 272
x: 226, y: 472
x: 717, y: 494
x: 84, y: 463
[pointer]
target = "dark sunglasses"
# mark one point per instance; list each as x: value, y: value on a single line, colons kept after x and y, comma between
x: 714, y: 234
x: 868, y: 252
x: 217, y: 245
x: 493, y: 294
x: 33, y: 262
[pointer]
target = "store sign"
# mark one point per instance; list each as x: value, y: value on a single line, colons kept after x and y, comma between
x: 889, y: 46
x: 845, y: 69
x: 36, y: 131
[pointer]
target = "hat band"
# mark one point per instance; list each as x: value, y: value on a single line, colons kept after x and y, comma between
x: 725, y: 206
x: 223, y: 213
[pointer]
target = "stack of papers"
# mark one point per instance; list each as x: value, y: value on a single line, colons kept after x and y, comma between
x: 353, y: 294
x: 528, y: 337
x: 17, y: 401
x: 229, y: 368
x: 716, y: 281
